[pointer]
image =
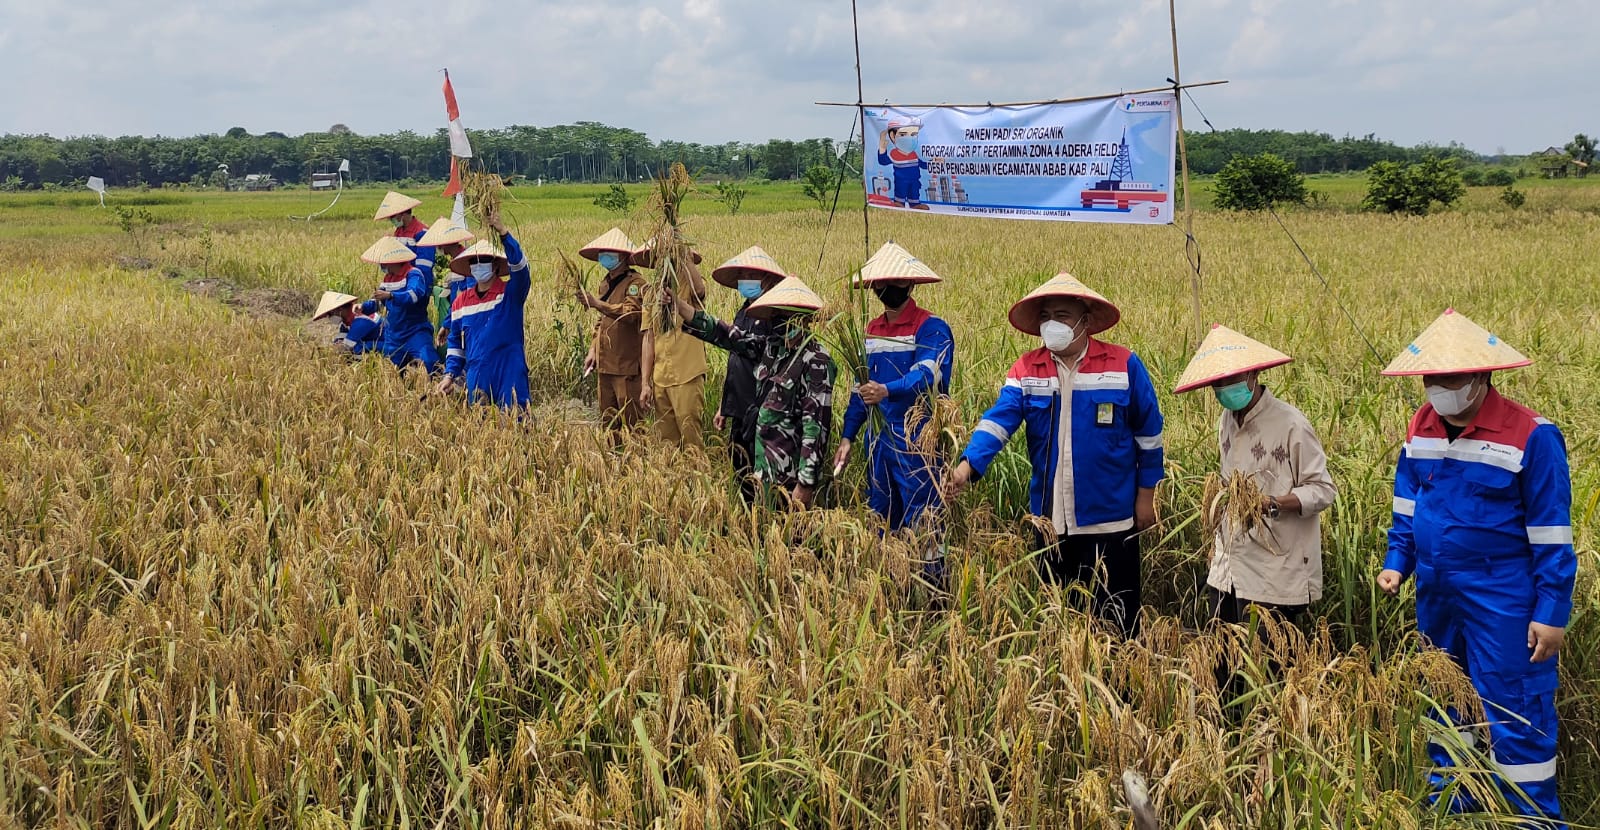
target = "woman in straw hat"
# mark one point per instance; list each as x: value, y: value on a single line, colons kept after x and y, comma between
x: 396, y: 208
x: 359, y: 332
x: 910, y: 354
x: 1277, y: 562
x: 1094, y: 441
x: 751, y: 273
x: 795, y: 380
x: 446, y: 237
x: 1483, y: 518
x: 486, y: 346
x: 617, y: 349
x: 677, y: 359
x: 404, y: 292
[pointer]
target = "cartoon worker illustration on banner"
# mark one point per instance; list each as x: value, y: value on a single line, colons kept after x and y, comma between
x: 1103, y: 160
x: 898, y: 144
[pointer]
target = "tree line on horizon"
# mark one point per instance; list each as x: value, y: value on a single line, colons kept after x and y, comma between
x: 583, y: 152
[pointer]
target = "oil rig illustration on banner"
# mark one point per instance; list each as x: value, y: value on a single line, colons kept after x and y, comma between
x: 1117, y: 192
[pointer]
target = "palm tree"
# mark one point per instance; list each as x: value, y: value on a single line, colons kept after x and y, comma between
x: 1581, y: 149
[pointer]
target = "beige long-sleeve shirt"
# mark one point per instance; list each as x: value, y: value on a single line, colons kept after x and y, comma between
x: 1279, y: 561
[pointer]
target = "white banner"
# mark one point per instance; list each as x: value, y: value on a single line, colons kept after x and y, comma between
x: 1109, y: 160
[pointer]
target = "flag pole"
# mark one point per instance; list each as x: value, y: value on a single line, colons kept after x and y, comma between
x: 1191, y: 248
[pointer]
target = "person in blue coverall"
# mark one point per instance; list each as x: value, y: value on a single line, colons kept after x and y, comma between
x: 910, y: 356
x: 358, y: 333
x: 1483, y: 520
x: 404, y: 293
x: 486, y: 349
x: 1094, y: 431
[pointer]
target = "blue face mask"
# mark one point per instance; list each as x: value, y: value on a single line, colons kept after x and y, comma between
x: 1234, y: 396
x: 906, y: 144
x: 610, y: 261
x: 749, y: 289
x: 482, y: 273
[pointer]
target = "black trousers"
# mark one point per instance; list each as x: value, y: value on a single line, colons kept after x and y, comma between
x: 1229, y: 608
x: 741, y: 451
x: 1109, y: 564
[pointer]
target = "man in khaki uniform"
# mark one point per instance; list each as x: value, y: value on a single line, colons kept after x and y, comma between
x: 617, y: 351
x: 677, y: 359
x: 1277, y: 564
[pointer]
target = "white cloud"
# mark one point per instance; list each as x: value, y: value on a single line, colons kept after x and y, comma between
x: 713, y: 70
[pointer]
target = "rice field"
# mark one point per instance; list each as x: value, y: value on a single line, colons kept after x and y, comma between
x: 248, y: 584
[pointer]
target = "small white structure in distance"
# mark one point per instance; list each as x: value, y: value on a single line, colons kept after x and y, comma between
x: 98, y: 185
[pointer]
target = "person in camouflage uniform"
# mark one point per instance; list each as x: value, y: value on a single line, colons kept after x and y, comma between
x: 794, y: 377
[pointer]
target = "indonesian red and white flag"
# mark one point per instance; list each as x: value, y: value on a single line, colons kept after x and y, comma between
x: 460, y: 148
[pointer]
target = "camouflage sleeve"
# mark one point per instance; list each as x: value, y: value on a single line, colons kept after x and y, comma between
x: 750, y: 344
x: 816, y: 416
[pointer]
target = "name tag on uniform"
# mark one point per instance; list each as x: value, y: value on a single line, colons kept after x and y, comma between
x: 1103, y: 414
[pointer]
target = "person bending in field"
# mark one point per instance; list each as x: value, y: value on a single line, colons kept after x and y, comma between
x: 751, y: 273
x: 795, y: 376
x: 677, y: 359
x: 1277, y: 563
x: 486, y: 350
x: 1094, y: 442
x: 910, y: 356
x: 447, y: 238
x: 617, y: 349
x: 404, y: 292
x: 359, y: 332
x: 1483, y: 518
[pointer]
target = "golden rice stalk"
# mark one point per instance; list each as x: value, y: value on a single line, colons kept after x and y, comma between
x: 936, y: 425
x: 672, y: 251
x: 1232, y: 504
x: 569, y: 274
x: 482, y: 193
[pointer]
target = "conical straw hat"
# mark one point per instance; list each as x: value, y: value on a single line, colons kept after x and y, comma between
x: 446, y: 231
x: 332, y: 301
x: 1225, y: 353
x: 751, y: 264
x: 789, y: 295
x: 1454, y: 345
x: 395, y: 204
x: 1103, y: 315
x: 388, y: 251
x: 893, y: 262
x: 481, y: 248
x: 613, y: 240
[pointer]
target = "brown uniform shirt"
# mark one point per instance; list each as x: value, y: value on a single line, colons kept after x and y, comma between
x: 619, y: 337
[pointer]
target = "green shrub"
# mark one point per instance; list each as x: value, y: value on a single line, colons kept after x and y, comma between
x: 1394, y: 187
x: 1258, y: 182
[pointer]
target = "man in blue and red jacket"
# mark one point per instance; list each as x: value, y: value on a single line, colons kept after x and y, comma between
x: 404, y: 293
x: 1094, y: 442
x: 1483, y: 518
x: 486, y: 348
x: 910, y: 356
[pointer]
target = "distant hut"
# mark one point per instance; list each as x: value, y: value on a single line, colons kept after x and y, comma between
x: 1554, y: 162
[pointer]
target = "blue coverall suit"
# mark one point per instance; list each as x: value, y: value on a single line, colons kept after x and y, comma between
x: 486, y: 335
x: 1484, y: 522
x: 910, y: 356
x: 364, y: 334
x: 407, y: 332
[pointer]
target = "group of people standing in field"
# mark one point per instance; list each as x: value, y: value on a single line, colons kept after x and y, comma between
x: 1482, y: 493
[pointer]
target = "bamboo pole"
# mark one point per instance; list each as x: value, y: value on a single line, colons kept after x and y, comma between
x: 1183, y: 157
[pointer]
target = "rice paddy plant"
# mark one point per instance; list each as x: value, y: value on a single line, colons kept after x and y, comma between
x: 249, y: 584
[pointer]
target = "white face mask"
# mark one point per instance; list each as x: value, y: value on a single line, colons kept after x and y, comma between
x: 482, y: 272
x: 1057, y: 335
x: 1451, y: 402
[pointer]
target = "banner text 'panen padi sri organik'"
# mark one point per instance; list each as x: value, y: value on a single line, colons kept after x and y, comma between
x: 1108, y: 160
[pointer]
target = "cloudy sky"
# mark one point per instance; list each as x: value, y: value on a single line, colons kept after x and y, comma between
x: 1516, y: 75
